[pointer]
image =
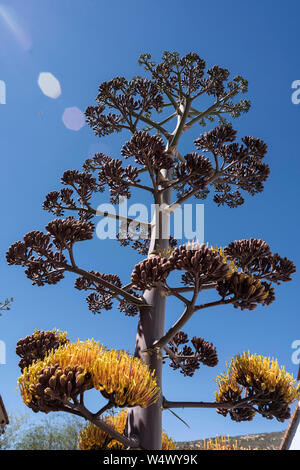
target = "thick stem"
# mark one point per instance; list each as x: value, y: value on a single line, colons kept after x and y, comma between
x: 146, y: 423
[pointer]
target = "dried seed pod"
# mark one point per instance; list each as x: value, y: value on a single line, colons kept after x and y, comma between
x: 247, y: 291
x: 66, y: 232
x: 38, y: 345
x: 188, y: 361
x: 150, y: 272
x: 243, y: 252
x: 200, y: 262
x: 55, y: 386
x: 148, y: 150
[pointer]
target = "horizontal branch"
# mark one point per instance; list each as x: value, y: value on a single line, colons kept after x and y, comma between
x: 202, y: 404
x: 123, y: 218
x: 191, y: 289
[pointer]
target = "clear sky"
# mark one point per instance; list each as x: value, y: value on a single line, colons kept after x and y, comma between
x: 82, y: 43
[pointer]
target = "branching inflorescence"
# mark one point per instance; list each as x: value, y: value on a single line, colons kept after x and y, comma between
x: 57, y: 373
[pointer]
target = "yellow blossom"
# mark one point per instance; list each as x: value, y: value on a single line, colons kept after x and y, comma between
x: 93, y: 438
x: 127, y: 380
x: 261, y: 373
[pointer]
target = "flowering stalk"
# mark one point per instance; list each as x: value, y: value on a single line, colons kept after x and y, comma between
x: 57, y: 374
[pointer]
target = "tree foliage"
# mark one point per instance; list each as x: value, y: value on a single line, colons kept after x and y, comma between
x: 60, y: 433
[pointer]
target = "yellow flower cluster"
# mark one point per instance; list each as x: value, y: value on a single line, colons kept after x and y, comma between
x: 167, y: 442
x: 92, y: 437
x: 112, y: 372
x: 223, y: 443
x: 62, y: 337
x: 127, y: 377
x: 251, y: 370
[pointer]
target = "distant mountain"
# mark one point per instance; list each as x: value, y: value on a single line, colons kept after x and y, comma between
x: 267, y: 441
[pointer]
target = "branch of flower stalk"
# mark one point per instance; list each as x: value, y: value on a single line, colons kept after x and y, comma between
x: 125, y: 288
x: 176, y: 294
x: 174, y: 357
x: 153, y: 124
x: 172, y: 207
x: 128, y: 442
x: 106, y: 407
x: 167, y: 119
x: 213, y: 304
x: 191, y: 289
x: 71, y: 254
x: 212, y: 108
x: 141, y: 186
x: 117, y: 290
x: 185, y: 317
x: 187, y: 314
x: 147, y: 225
x: 105, y: 214
x: 202, y: 404
x: 169, y: 95
x: 180, y: 125
x: 70, y: 410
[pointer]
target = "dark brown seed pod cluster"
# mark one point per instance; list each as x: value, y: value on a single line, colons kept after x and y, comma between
x: 242, y: 165
x: 148, y: 150
x: 254, y: 257
x: 117, y: 178
x: 238, y: 414
x: 129, y: 309
x: 65, y: 232
x: 47, y: 267
x: 112, y: 174
x: 246, y: 291
x: 243, y: 252
x: 151, y: 272
x: 102, y: 297
x: 56, y: 386
x: 42, y: 272
x: 17, y: 254
x: 269, y: 404
x: 200, y: 263
x: 37, y: 345
x: 82, y: 182
x: 83, y: 186
x: 205, y: 352
x: 275, y: 408
x: 187, y: 360
x: 192, y: 174
x: 192, y: 78
x: 214, y: 140
x: 56, y: 201
x: 126, y: 98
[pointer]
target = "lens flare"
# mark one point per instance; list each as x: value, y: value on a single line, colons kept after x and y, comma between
x: 49, y: 85
x: 73, y: 118
x: 9, y: 17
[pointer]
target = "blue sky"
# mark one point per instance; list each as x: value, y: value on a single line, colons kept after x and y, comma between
x: 82, y: 43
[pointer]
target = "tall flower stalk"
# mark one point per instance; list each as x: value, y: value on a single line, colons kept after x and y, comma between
x: 155, y: 112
